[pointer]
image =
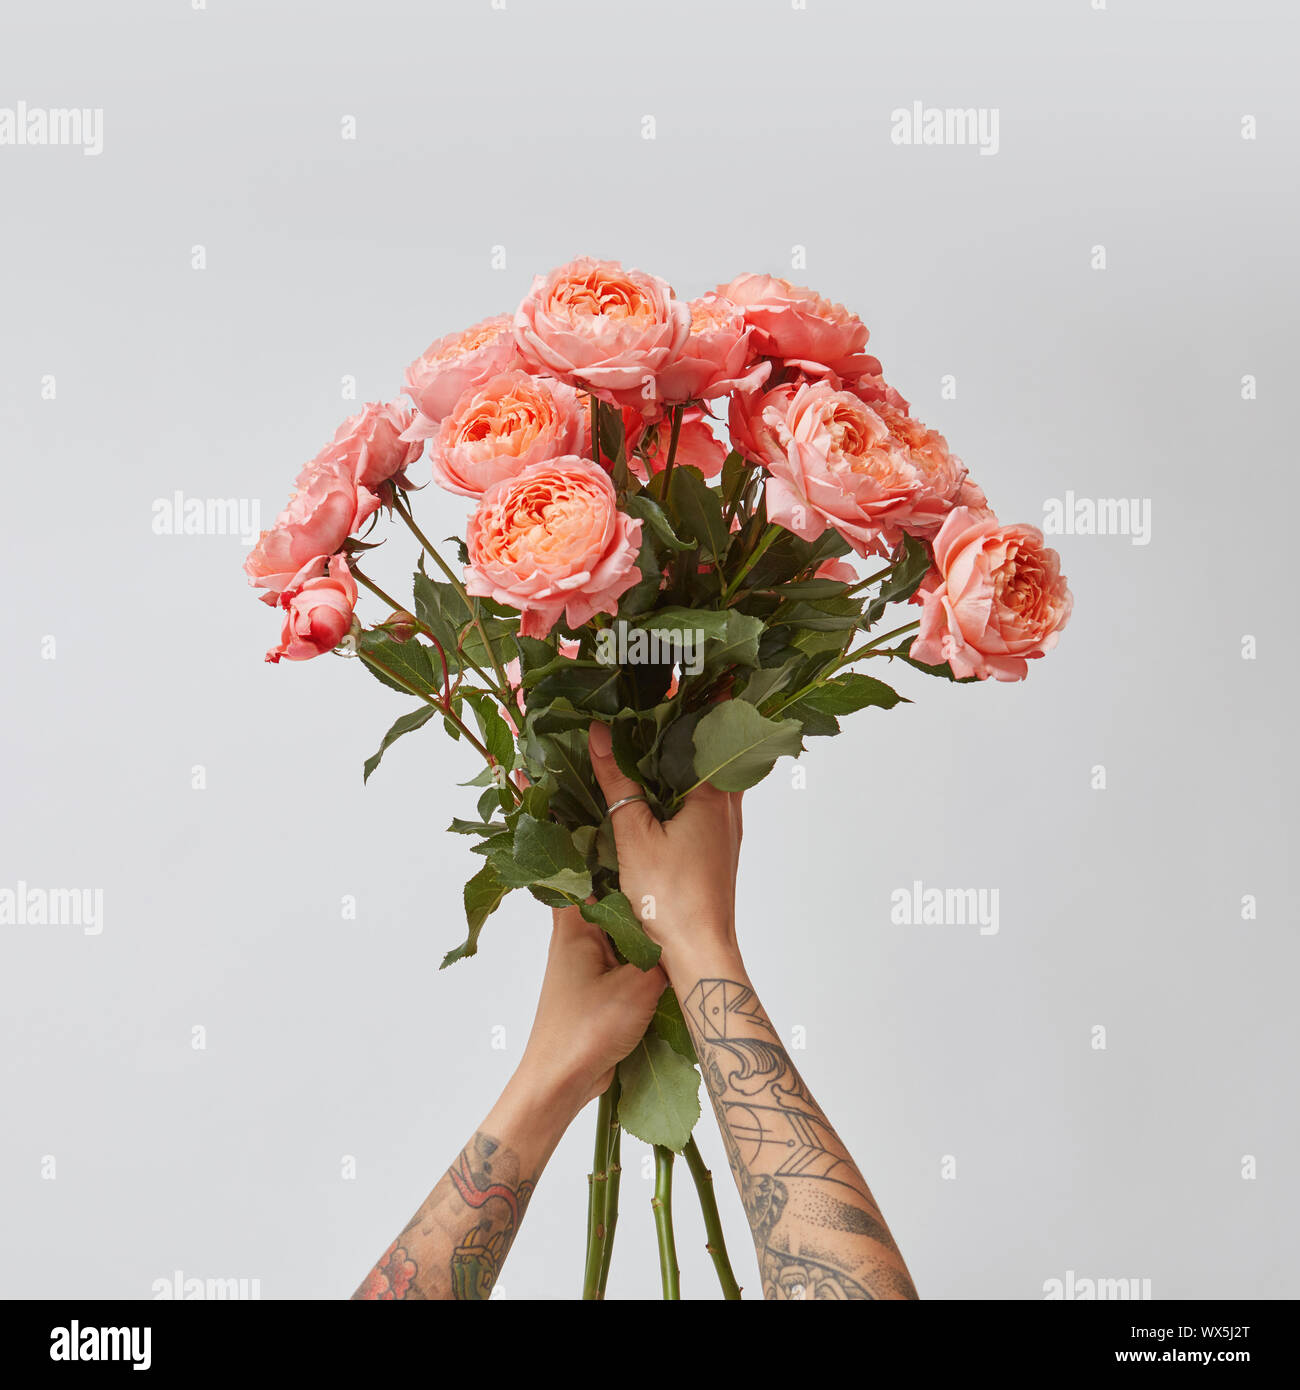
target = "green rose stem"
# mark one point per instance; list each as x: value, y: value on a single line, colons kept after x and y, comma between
x: 678, y: 412
x: 596, y: 1181
x: 874, y: 578
x: 716, y: 1245
x: 595, y: 429
x: 615, y: 1171
x: 501, y: 690
x: 379, y: 593
x: 662, y: 1205
x: 875, y: 643
x: 770, y: 534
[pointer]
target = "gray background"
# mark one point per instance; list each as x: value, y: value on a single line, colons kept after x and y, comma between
x: 522, y: 128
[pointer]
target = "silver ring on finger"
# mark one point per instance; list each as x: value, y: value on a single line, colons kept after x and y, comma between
x: 626, y: 801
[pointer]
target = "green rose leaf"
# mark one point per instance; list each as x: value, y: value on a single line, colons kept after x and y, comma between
x: 659, y: 1100
x: 851, y: 692
x: 642, y: 505
x: 542, y: 849
x: 698, y: 511
x: 670, y: 1024
x: 404, y: 666
x: 407, y: 724
x: 483, y: 894
x: 735, y: 746
x: 614, y: 916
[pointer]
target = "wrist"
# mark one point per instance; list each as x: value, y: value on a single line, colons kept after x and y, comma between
x: 549, y: 1094
x: 702, y: 956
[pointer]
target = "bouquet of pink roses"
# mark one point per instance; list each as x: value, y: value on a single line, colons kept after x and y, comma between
x: 661, y: 493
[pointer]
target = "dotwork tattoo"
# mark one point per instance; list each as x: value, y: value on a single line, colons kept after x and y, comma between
x: 483, y: 1185
x: 808, y: 1206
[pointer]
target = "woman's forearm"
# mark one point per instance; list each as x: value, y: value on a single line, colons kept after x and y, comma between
x: 817, y: 1230
x: 455, y: 1245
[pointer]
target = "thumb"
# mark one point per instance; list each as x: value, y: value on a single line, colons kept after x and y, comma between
x: 632, y: 820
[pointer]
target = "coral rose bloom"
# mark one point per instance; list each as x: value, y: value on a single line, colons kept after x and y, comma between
x: 371, y: 441
x: 840, y: 467
x: 604, y: 329
x: 718, y: 356
x: 319, y: 614
x: 1000, y: 600
x: 320, y: 516
x: 797, y: 324
x: 496, y: 430
x: 441, y: 375
x: 550, y: 541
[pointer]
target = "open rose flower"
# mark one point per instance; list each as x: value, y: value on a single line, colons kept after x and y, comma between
x: 441, y: 375
x: 327, y: 508
x: 797, y: 324
x: 718, y: 356
x: 697, y: 447
x: 318, y: 615
x: 840, y: 467
x: 371, y: 443
x: 496, y: 430
x: 1000, y: 599
x: 552, y: 541
x: 604, y: 329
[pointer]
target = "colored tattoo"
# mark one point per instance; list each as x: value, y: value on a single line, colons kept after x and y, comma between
x: 817, y: 1230
x: 455, y: 1245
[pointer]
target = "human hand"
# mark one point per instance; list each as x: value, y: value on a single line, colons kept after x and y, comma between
x: 679, y: 875
x: 591, y: 1013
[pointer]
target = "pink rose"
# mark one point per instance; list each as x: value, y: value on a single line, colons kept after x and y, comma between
x: 999, y: 602
x: 604, y: 329
x: 718, y: 356
x: 441, y: 375
x: 751, y: 436
x: 318, y: 616
x: 496, y: 430
x: 550, y: 541
x: 795, y: 323
x: 697, y: 447
x: 840, y: 467
x: 327, y: 508
x: 371, y: 442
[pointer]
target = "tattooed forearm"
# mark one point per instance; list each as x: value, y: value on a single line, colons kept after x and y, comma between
x: 817, y: 1230
x: 454, y: 1246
